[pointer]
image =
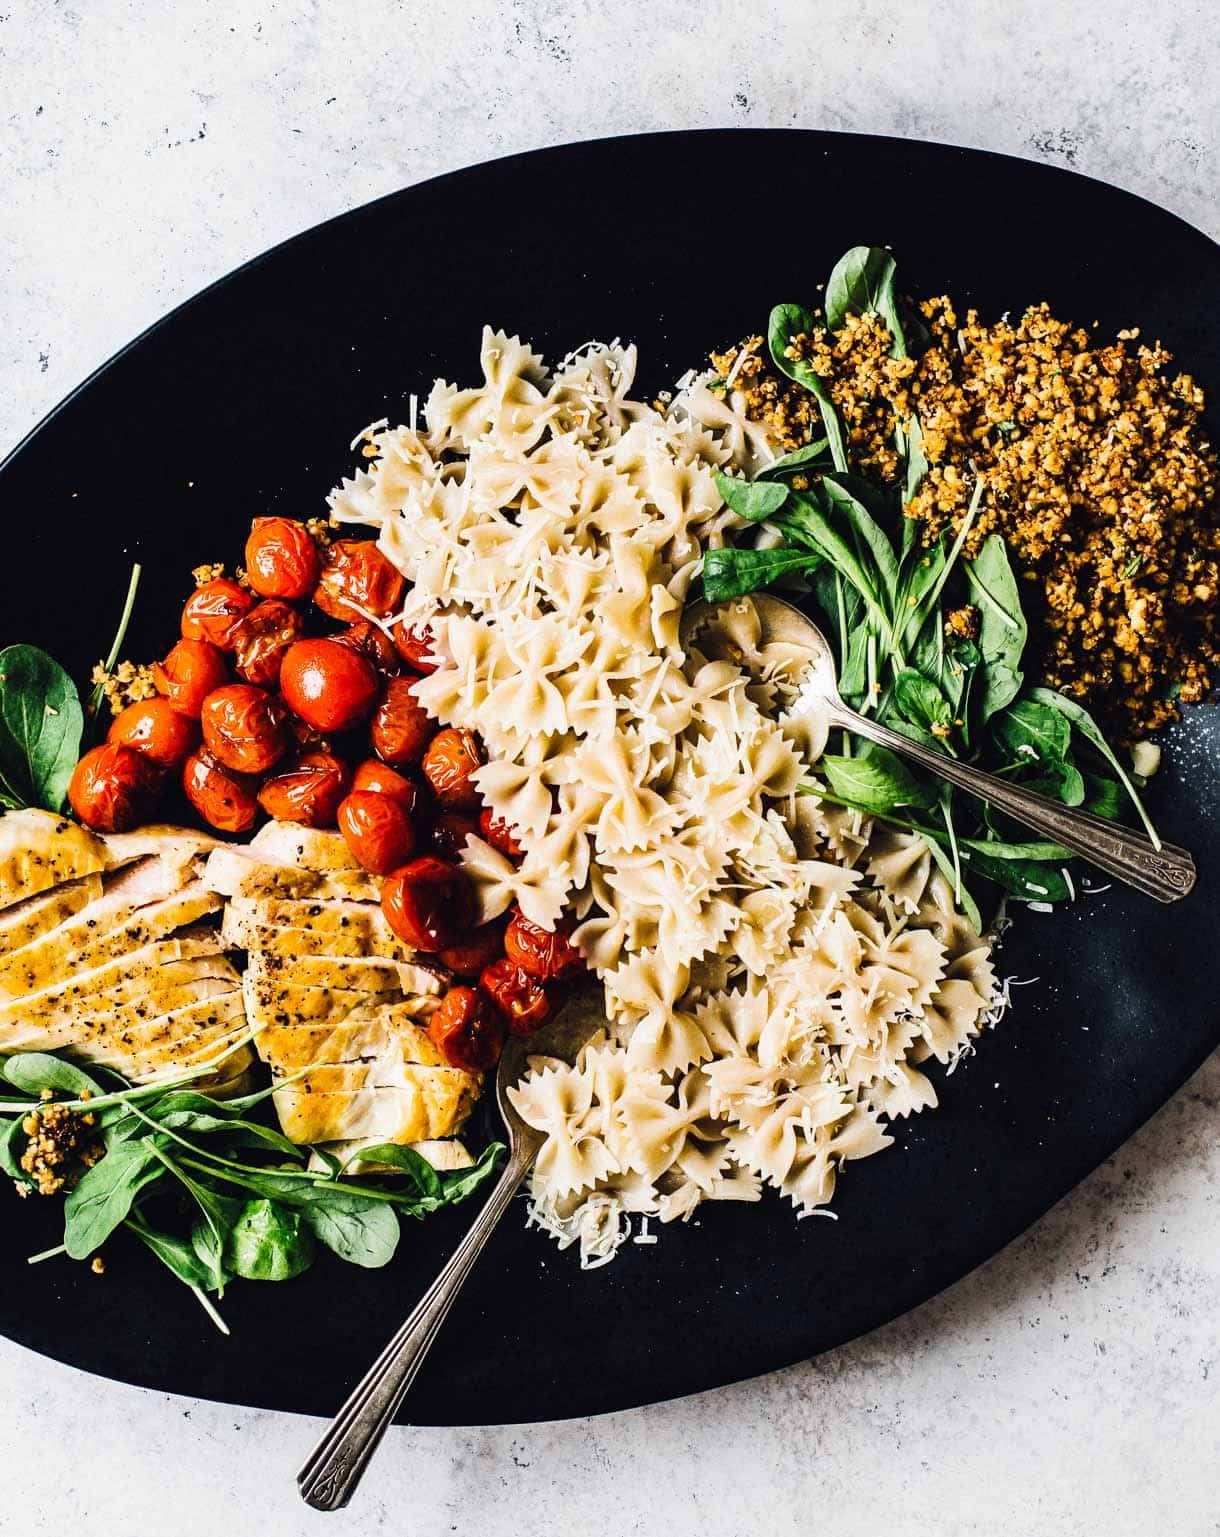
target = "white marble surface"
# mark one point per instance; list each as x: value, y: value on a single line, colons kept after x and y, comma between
x: 1067, y: 1388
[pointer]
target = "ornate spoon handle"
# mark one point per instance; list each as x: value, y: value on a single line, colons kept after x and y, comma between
x: 1167, y: 873
x: 328, y: 1480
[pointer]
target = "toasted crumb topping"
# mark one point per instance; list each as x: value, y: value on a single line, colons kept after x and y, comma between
x: 62, y: 1144
x: 125, y: 685
x: 208, y: 573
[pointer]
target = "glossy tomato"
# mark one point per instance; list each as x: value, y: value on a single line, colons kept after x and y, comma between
x: 522, y: 999
x: 500, y: 834
x: 282, y: 559
x: 449, y: 764
x: 211, y: 612
x: 470, y: 954
x: 112, y: 788
x: 245, y: 728
x: 153, y: 727
x: 543, y: 953
x: 224, y: 799
x: 428, y: 903
x: 467, y: 1030
x: 310, y: 793
x: 416, y: 645
x: 357, y: 580
x: 329, y: 685
x: 377, y: 830
x: 379, y: 777
x: 401, y: 728
x: 189, y: 674
x: 450, y: 830
x: 372, y: 641
x: 261, y: 639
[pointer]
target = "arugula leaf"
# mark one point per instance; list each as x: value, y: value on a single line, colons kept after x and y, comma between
x: 269, y: 1242
x: 41, y: 721
x: 811, y: 456
x: 787, y: 321
x: 734, y: 572
x: 862, y: 283
x: 754, y: 500
x: 876, y: 780
x: 1091, y: 731
x: 1003, y: 631
x: 106, y: 1194
x: 33, y: 1071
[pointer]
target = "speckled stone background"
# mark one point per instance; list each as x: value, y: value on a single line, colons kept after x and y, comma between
x: 1070, y: 1386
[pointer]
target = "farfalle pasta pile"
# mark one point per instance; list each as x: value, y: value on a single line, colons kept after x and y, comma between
x: 775, y: 968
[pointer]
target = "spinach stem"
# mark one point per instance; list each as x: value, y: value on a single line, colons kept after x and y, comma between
x: 112, y: 656
x: 37, y: 1259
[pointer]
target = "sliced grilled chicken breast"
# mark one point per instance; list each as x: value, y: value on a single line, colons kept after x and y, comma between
x: 39, y: 850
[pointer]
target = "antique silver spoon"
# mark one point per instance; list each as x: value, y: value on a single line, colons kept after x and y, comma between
x: 328, y: 1480
x: 1166, y: 873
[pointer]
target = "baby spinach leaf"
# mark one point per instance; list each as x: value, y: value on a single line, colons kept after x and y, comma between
x: 1033, y: 733
x: 923, y: 703
x: 1091, y: 731
x: 1027, y: 878
x: 787, y: 321
x: 457, y: 1184
x: 995, y: 848
x: 362, y: 1232
x: 1003, y: 631
x: 808, y: 522
x: 869, y: 540
x: 41, y: 721
x: 107, y: 1192
x: 407, y: 1161
x: 917, y: 463
x: 13, y: 1142
x: 33, y: 1071
x: 177, y: 1255
x: 269, y: 1242
x: 875, y: 780
x: 735, y: 572
x: 754, y: 500
x: 862, y: 283
x: 812, y: 456
x: 1101, y: 796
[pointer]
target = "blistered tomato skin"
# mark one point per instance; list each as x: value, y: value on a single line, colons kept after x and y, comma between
x: 112, y: 788
x: 450, y: 831
x: 428, y: 903
x: 467, y: 1030
x: 225, y: 800
x: 522, y: 999
x: 192, y: 670
x: 372, y: 641
x: 380, y: 778
x: 154, y: 728
x: 356, y: 580
x: 449, y: 764
x: 245, y: 728
x: 310, y: 793
x: 416, y: 645
x: 401, y: 728
x: 377, y: 830
x: 544, y: 953
x: 329, y: 685
x: 281, y: 559
x: 212, y: 611
x: 261, y: 638
x: 474, y: 952
x: 500, y: 834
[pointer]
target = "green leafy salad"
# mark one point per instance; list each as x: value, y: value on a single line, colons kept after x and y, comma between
x: 928, y: 642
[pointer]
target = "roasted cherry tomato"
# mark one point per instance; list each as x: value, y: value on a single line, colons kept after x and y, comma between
x: 379, y: 777
x: 449, y: 764
x: 450, y: 829
x: 428, y: 903
x: 213, y: 610
x: 223, y: 799
x: 543, y: 953
x: 357, y: 579
x: 377, y: 830
x: 310, y: 793
x: 153, y: 727
x: 500, y: 834
x: 415, y: 644
x: 401, y: 728
x: 372, y: 641
x: 261, y: 639
x: 329, y: 685
x: 474, y: 951
x: 191, y: 671
x: 282, y: 560
x: 467, y: 1030
x: 112, y: 788
x: 522, y: 999
x: 245, y: 728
